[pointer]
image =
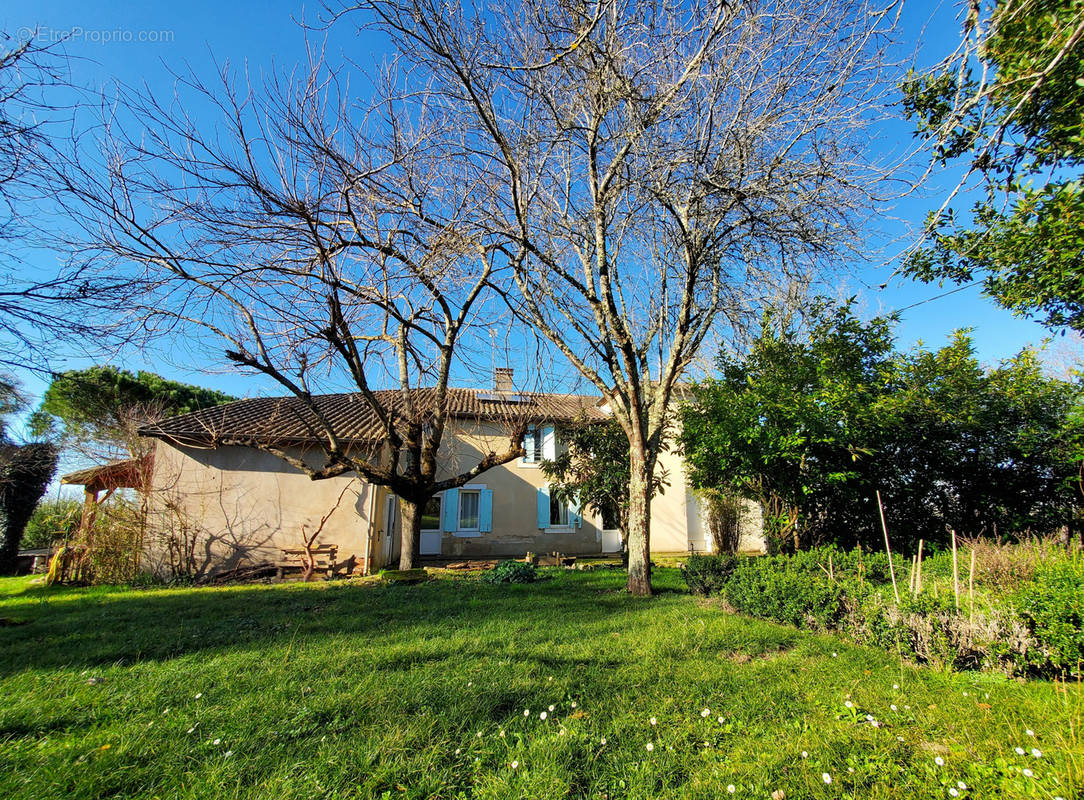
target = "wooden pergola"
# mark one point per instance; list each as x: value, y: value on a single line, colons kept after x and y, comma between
x: 131, y: 473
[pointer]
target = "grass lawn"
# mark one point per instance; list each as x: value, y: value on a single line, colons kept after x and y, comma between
x: 350, y: 689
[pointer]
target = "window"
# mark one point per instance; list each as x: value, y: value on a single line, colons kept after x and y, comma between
x: 532, y: 443
x: 558, y: 513
x: 468, y: 509
x: 431, y: 514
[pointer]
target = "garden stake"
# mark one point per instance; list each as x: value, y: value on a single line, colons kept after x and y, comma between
x: 955, y: 571
x: 831, y: 572
x: 971, y: 585
x: 888, y: 549
x: 918, y: 575
x: 911, y: 575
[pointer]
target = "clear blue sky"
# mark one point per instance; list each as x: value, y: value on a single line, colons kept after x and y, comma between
x: 141, y: 42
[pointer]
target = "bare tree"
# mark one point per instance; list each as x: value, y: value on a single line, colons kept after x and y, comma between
x: 657, y: 170
x: 322, y: 243
x: 40, y: 306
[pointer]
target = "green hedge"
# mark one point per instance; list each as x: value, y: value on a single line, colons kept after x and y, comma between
x: 783, y: 589
x: 1052, y: 608
x: 1038, y: 631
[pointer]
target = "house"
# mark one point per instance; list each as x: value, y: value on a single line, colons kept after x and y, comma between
x: 220, y: 500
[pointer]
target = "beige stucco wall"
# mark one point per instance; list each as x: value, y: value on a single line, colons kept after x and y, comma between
x: 245, y: 505
x: 240, y: 506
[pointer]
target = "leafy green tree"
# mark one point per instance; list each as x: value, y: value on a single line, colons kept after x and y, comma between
x: 594, y: 471
x: 812, y: 424
x: 790, y: 423
x: 1008, y: 105
x: 100, y: 404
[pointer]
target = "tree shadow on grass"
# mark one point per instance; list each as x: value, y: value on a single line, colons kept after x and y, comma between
x: 96, y: 627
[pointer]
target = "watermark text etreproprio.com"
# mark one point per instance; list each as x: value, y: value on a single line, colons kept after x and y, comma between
x: 95, y: 35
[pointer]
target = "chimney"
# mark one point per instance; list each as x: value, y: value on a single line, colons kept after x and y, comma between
x: 502, y: 379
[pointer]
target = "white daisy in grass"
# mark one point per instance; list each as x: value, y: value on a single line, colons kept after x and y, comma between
x: 562, y: 732
x: 705, y: 713
x: 721, y: 720
x: 953, y: 792
x: 551, y: 708
x: 939, y: 761
x: 602, y: 741
x: 573, y: 703
x: 1028, y: 773
x: 650, y: 747
x: 1035, y: 751
x: 217, y: 742
x: 893, y: 707
x: 543, y: 715
x: 501, y: 734
x: 826, y: 777
x: 228, y: 754
x: 731, y: 788
x: 458, y: 751
x: 654, y: 721
x: 805, y: 754
x: 1019, y: 751
x: 895, y: 686
x: 478, y: 735
x: 515, y: 765
x: 199, y: 695
x: 961, y: 784
x: 526, y: 712
x: 1029, y: 732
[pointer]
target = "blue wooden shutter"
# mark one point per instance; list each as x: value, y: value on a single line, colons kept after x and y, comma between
x: 485, y: 511
x: 543, y: 508
x: 451, y: 510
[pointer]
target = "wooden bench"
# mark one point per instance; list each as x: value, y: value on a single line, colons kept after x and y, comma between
x: 294, y: 558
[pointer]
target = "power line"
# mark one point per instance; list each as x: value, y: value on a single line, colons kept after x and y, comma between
x: 937, y: 297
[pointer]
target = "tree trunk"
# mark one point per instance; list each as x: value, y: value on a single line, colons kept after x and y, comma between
x: 410, y: 533
x: 639, y: 522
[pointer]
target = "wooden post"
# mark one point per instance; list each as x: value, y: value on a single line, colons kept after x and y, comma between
x: 888, y: 549
x: 955, y: 570
x: 911, y: 575
x: 831, y: 572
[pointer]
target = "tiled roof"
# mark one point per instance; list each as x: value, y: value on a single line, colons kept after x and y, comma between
x: 288, y: 420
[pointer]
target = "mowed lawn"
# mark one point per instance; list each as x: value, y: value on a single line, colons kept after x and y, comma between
x: 353, y: 689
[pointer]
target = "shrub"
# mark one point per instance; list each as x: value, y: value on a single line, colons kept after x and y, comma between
x: 51, y: 523
x: 929, y: 630
x: 1052, y: 608
x: 707, y: 574
x: 511, y: 572
x: 775, y: 588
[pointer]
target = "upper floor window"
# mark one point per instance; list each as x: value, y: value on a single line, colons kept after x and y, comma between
x: 532, y: 444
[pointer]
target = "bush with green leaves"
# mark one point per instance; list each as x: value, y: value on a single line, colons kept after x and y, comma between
x: 1052, y: 607
x: 52, y: 522
x: 773, y: 587
x: 707, y: 574
x: 511, y: 572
